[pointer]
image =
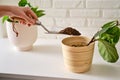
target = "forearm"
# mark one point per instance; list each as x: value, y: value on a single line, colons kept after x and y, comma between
x: 5, y: 10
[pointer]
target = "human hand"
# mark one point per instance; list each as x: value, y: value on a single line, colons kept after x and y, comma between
x: 24, y: 14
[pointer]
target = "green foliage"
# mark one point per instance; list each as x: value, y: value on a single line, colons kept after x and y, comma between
x: 111, y: 35
x: 24, y: 3
x: 38, y: 12
x: 105, y: 27
x: 107, y: 38
x: 107, y: 51
x: 5, y: 18
x: 110, y: 24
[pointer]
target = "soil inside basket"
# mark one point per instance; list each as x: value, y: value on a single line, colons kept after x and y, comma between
x: 82, y: 44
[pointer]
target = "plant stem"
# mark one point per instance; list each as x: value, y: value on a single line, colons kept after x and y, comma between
x: 92, y: 40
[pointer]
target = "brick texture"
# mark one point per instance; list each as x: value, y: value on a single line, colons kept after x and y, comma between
x: 68, y: 3
x: 102, y: 4
x: 84, y: 13
x: 74, y: 13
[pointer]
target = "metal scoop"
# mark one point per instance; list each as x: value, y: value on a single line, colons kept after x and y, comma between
x: 68, y: 30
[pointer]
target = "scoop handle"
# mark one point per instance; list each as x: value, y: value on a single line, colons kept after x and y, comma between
x: 39, y: 23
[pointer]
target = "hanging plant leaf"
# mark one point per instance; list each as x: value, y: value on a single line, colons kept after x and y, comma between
x: 107, y: 51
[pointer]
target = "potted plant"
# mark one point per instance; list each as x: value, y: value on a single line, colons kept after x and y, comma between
x: 22, y: 36
x: 78, y: 50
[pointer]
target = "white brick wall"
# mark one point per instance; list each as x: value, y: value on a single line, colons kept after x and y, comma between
x: 85, y: 13
x: 74, y: 13
x: 68, y: 4
x: 111, y: 13
x: 43, y: 3
x: 102, y: 4
x: 73, y: 22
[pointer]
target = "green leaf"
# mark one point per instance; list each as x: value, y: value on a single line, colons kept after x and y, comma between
x: 107, y: 51
x: 5, y: 18
x: 111, y: 35
x: 22, y: 3
x: 107, y: 37
x: 108, y: 26
x: 9, y: 20
x: 34, y: 9
x: 29, y: 4
x: 39, y: 13
x: 115, y: 32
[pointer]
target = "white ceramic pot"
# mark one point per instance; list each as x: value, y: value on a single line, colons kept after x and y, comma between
x: 26, y: 35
